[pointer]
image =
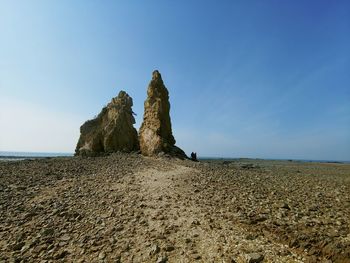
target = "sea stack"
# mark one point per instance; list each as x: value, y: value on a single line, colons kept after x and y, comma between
x: 112, y: 130
x: 155, y: 135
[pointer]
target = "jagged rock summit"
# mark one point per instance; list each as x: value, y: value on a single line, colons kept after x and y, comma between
x: 155, y: 135
x: 112, y: 130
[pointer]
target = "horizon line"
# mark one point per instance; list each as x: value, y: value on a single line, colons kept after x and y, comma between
x: 200, y: 157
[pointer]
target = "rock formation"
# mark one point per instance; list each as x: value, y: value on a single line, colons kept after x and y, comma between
x: 155, y: 134
x: 112, y: 130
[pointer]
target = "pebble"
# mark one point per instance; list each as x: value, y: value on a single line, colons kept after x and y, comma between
x: 154, y: 249
x: 162, y: 259
x: 169, y: 248
x: 102, y: 255
x: 65, y: 237
x: 254, y: 258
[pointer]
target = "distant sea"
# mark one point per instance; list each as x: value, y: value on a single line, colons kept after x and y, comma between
x: 269, y: 159
x: 17, y: 156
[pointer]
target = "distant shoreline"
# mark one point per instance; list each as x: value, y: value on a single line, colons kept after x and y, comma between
x: 269, y: 159
x: 18, y: 156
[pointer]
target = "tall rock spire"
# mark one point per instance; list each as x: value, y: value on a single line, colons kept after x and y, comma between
x: 155, y: 135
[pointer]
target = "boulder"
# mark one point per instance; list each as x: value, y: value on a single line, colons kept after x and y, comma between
x: 112, y: 130
x: 155, y: 135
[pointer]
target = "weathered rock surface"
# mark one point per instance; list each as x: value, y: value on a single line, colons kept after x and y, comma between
x: 155, y: 133
x: 112, y: 130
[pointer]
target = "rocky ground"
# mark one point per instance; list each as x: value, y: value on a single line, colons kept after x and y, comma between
x: 129, y: 208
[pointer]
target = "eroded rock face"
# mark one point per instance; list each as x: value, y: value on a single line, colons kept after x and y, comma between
x: 155, y: 134
x: 112, y: 130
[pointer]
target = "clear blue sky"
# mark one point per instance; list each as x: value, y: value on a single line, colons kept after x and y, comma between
x: 267, y: 79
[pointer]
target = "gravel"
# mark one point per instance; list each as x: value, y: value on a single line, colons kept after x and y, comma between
x: 129, y: 208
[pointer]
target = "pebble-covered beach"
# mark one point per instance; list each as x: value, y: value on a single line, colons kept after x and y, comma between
x: 130, y: 208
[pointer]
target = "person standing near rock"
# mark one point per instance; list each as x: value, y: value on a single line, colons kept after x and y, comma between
x: 194, y: 156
